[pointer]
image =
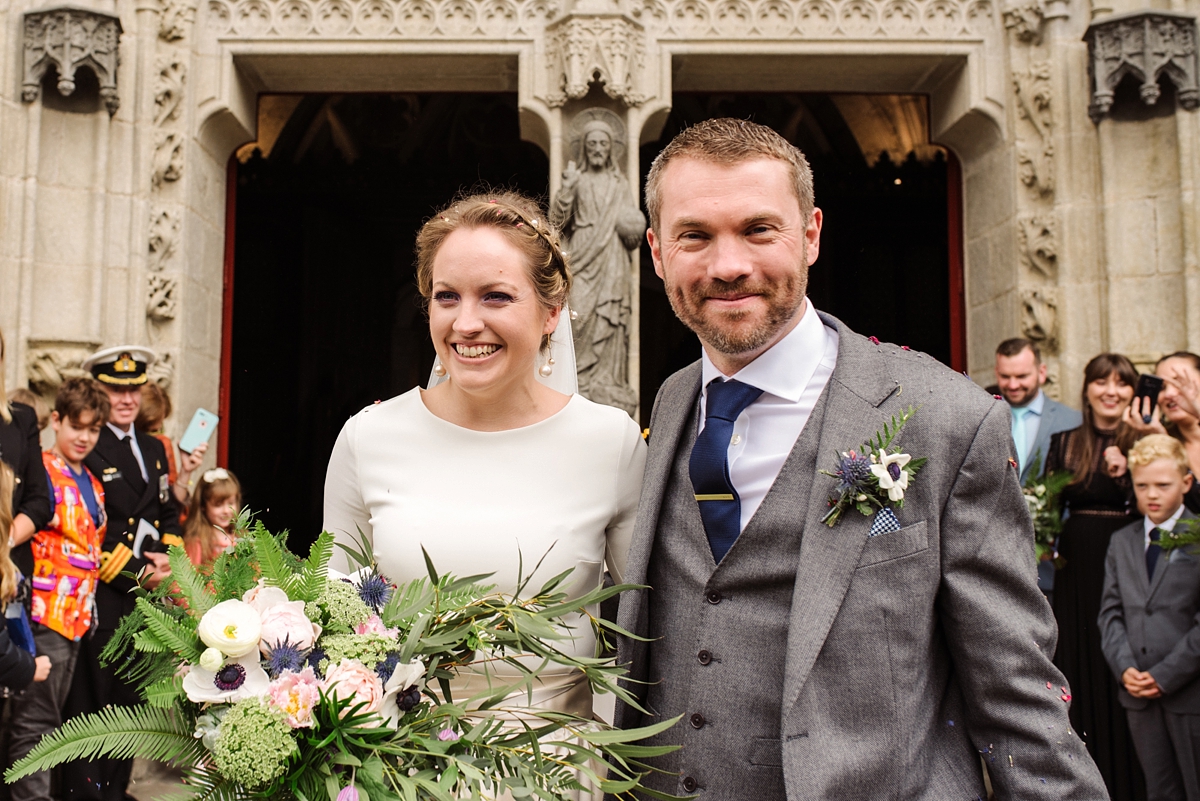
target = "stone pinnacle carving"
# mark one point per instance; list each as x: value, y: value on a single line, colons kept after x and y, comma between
x: 68, y: 38
x: 586, y: 49
x: 1148, y: 45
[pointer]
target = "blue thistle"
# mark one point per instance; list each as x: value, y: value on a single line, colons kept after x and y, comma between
x: 374, y: 590
x: 387, y: 667
x: 315, y: 657
x: 284, y: 656
x: 852, y: 471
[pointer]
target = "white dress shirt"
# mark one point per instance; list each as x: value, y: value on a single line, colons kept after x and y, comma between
x: 137, y: 451
x: 792, y: 374
x: 1166, y: 525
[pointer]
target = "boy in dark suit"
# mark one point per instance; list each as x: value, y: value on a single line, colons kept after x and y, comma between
x: 1150, y: 632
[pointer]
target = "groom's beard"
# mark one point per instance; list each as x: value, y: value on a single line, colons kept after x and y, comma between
x: 744, y: 330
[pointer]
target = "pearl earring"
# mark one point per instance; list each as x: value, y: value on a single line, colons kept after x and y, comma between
x: 439, y: 370
x: 547, y: 368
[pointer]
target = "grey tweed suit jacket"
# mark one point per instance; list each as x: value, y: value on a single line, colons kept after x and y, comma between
x: 913, y: 653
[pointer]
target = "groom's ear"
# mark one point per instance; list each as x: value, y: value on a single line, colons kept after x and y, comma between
x: 655, y: 251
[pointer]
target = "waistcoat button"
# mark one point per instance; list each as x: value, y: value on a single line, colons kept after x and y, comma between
x: 705, y: 657
x: 689, y: 784
x: 713, y: 597
x: 697, y: 721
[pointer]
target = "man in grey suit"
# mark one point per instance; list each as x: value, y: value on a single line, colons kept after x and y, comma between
x: 1020, y: 376
x: 806, y: 661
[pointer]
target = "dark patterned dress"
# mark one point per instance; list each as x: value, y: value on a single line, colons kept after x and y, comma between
x: 1098, y: 507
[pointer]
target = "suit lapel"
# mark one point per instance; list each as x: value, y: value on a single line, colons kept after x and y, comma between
x: 861, y: 381
x: 151, y: 490
x: 1164, y: 560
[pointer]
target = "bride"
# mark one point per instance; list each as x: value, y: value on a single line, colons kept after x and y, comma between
x: 492, y: 465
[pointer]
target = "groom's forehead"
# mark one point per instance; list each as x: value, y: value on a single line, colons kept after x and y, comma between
x: 690, y: 183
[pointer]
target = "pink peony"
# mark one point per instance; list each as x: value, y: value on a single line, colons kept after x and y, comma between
x: 295, y: 694
x: 262, y: 597
x: 374, y: 625
x: 352, y: 680
x: 287, y: 621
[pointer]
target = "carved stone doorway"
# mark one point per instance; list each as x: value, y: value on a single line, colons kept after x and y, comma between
x: 885, y: 267
x: 326, y: 318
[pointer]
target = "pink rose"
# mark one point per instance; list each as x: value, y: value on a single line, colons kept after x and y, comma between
x: 295, y: 694
x: 352, y: 680
x: 287, y: 620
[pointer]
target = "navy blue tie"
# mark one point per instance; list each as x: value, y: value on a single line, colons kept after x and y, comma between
x: 720, y: 507
x: 1152, y: 552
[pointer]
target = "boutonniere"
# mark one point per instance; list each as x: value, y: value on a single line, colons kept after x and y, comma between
x: 874, y: 478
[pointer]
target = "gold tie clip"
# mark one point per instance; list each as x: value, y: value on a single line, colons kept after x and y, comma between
x: 721, y: 497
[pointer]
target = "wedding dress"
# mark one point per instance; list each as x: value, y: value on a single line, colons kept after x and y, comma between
x: 565, y: 489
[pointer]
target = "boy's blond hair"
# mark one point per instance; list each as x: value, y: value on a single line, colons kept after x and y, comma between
x: 1158, y: 446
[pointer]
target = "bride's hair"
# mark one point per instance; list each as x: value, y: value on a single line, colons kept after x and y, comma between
x: 522, y: 221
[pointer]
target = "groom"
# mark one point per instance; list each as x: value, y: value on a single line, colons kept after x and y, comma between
x: 882, y: 657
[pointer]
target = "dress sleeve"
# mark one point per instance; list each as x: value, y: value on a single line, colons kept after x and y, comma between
x: 1057, y: 458
x: 345, y: 512
x: 619, y: 533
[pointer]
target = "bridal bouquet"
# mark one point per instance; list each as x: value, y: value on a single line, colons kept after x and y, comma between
x: 272, y: 677
x: 1043, y: 497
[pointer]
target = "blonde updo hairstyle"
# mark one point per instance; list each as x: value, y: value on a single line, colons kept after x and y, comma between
x: 521, y: 221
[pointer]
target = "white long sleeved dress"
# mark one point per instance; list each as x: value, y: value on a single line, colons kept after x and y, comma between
x: 480, y: 502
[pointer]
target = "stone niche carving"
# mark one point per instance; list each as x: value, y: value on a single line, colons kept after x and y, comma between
x: 1039, y: 317
x: 68, y: 38
x: 1038, y: 235
x: 608, y: 50
x: 49, y: 364
x: 1148, y: 45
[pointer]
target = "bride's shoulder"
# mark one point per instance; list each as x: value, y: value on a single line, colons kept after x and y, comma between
x: 606, y: 420
x: 387, y: 412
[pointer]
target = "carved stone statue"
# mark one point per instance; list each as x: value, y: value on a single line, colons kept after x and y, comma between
x: 602, y: 224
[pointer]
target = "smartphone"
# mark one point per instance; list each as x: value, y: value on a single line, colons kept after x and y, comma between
x: 203, y: 424
x: 1148, y: 386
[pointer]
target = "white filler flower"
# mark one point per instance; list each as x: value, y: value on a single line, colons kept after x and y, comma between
x: 889, y: 469
x: 232, y: 627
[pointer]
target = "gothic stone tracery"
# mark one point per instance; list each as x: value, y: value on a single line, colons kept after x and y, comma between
x: 1147, y: 45
x: 68, y: 38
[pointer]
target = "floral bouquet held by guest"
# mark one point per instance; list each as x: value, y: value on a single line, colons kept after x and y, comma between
x: 1043, y: 496
x: 273, y: 677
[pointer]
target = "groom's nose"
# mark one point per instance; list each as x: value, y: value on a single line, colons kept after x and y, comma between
x: 730, y: 259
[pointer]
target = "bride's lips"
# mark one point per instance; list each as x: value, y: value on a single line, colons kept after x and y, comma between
x: 475, y: 352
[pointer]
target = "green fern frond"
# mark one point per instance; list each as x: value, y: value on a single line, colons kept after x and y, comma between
x: 145, y: 642
x: 170, y: 632
x: 271, y: 560
x: 117, y: 732
x: 164, y: 692
x: 191, y: 584
x: 313, y: 574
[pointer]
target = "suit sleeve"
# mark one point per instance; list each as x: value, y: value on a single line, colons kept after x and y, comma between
x: 35, y: 498
x: 618, y: 536
x: 1000, y: 631
x: 345, y: 512
x: 16, y: 665
x: 1114, y: 638
x: 1182, y: 664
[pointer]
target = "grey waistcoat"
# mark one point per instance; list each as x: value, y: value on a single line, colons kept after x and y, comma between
x: 721, y: 632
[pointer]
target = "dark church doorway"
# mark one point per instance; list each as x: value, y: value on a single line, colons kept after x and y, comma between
x: 325, y: 316
x: 887, y: 267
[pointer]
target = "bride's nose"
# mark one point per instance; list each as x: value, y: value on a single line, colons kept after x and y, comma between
x: 469, y: 320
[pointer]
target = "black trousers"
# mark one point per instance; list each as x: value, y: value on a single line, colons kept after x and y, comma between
x: 93, y: 688
x: 38, y: 710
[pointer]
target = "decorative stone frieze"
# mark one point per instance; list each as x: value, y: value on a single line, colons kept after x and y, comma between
x: 175, y: 19
x: 164, y: 239
x: 1035, y: 155
x: 49, y: 364
x: 168, y: 89
x: 1037, y: 235
x: 161, y: 301
x: 1024, y: 21
x: 609, y: 50
x: 1148, y: 45
x: 163, y: 369
x: 68, y: 38
x: 1039, y: 317
x: 168, y: 159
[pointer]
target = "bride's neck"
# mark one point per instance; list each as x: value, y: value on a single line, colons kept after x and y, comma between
x: 501, y: 410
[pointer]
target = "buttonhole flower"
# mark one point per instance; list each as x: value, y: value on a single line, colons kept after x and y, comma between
x: 889, y: 470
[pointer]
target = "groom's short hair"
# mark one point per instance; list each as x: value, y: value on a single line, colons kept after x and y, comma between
x: 728, y: 141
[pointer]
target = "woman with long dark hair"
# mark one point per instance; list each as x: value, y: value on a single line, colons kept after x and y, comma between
x: 1098, y: 504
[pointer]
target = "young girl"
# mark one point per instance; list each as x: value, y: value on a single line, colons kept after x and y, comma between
x: 17, y: 666
x: 209, y: 527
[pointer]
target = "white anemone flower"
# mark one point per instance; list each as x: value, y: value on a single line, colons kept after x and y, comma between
x: 403, y: 677
x: 232, y: 627
x: 204, y: 686
x: 889, y: 469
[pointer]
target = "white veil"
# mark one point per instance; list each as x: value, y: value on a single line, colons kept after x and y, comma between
x: 564, y: 378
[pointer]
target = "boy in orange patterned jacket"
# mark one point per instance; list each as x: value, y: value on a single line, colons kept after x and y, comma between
x: 66, y: 567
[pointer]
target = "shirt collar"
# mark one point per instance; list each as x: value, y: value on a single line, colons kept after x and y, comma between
x: 1166, y: 525
x: 1038, y: 403
x: 121, y: 434
x: 785, y: 368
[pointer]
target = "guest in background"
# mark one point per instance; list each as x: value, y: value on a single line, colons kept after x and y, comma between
x: 66, y: 564
x: 17, y: 666
x: 1148, y: 619
x: 142, y: 521
x: 1020, y: 376
x: 215, y: 505
x: 1098, y: 504
x: 33, y: 401
x: 30, y: 497
x: 151, y: 419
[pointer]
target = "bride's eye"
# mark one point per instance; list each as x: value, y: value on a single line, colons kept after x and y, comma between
x: 497, y: 297
x: 444, y: 298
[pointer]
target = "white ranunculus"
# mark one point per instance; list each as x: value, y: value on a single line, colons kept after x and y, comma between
x: 212, y: 659
x: 262, y: 597
x: 200, y: 684
x: 403, y: 677
x: 895, y: 485
x: 232, y: 627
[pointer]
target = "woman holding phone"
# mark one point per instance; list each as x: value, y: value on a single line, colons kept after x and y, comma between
x: 1098, y: 504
